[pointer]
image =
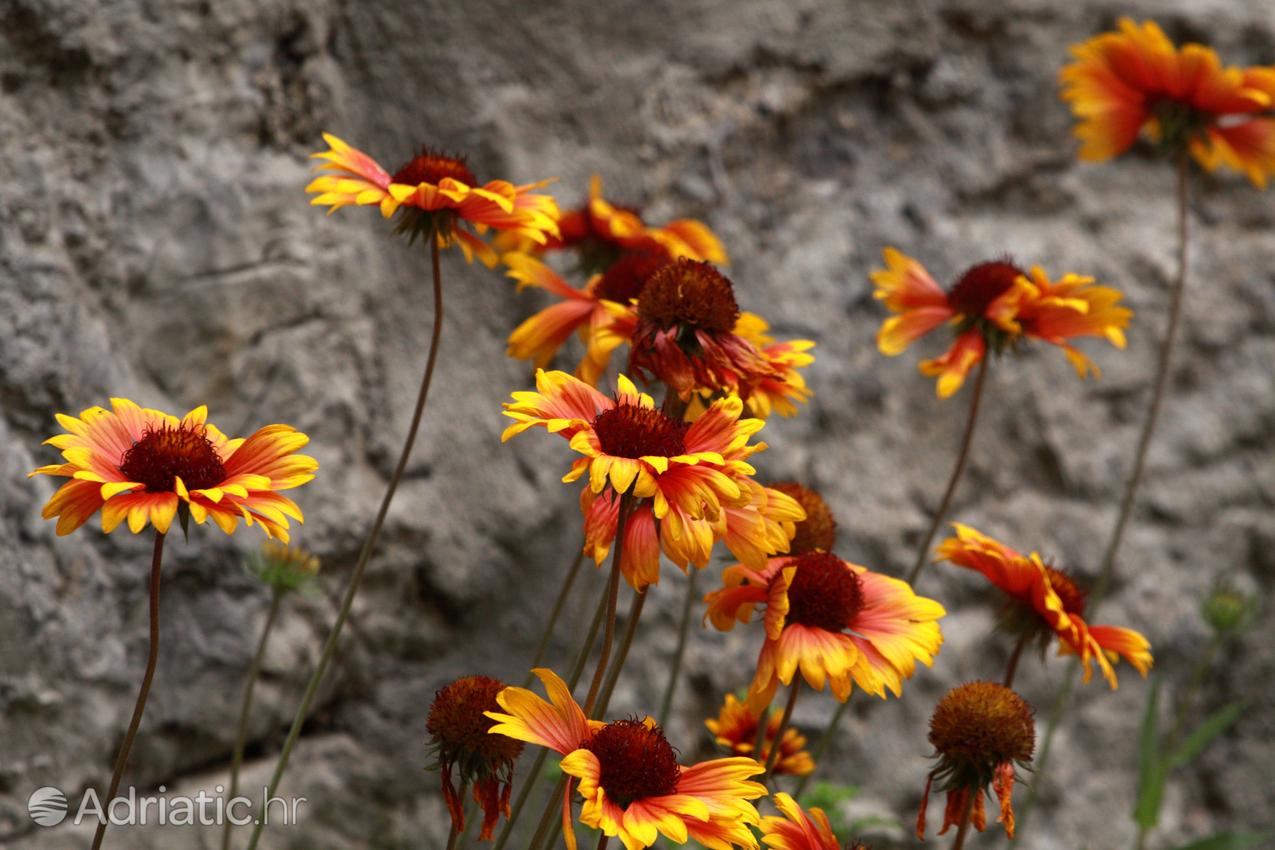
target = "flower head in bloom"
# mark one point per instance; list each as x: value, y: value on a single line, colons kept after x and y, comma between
x: 818, y: 531
x: 685, y: 336
x: 980, y: 731
x: 1134, y: 81
x: 690, y: 483
x: 142, y: 465
x: 600, y: 232
x: 282, y: 566
x: 783, y: 388
x: 465, y: 753
x: 836, y: 621
x: 600, y: 313
x: 629, y: 775
x: 434, y: 194
x: 735, y: 728
x: 799, y: 830
x: 993, y: 305
x: 1048, y: 601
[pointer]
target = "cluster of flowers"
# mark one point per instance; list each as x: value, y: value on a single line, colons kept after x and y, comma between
x: 674, y: 478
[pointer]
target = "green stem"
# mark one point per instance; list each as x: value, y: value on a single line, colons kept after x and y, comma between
x: 549, y: 817
x: 825, y: 741
x: 139, y: 708
x: 683, y: 629
x: 793, y: 690
x: 613, y: 592
x: 553, y: 617
x: 1012, y: 667
x: 356, y: 579
x: 962, y: 456
x: 245, y: 711
x: 453, y: 834
x: 622, y: 654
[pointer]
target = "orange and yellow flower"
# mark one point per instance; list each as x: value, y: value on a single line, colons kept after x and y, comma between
x: 1049, y: 600
x: 735, y: 728
x: 838, y: 622
x: 993, y: 304
x: 690, y: 482
x: 1134, y: 81
x: 782, y: 388
x: 142, y: 465
x: 798, y: 830
x: 629, y: 776
x: 435, y: 193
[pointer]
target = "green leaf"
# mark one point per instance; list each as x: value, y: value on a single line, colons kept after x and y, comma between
x: 1229, y: 841
x: 1151, y: 769
x: 1215, y: 724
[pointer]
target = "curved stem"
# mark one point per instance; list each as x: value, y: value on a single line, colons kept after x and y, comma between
x: 553, y: 616
x: 356, y: 578
x: 533, y: 775
x: 121, y: 759
x: 1159, y: 387
x: 245, y: 711
x: 1012, y: 667
x: 683, y: 629
x: 793, y: 690
x: 1160, y: 383
x: 613, y: 592
x: 622, y: 654
x: 966, y: 439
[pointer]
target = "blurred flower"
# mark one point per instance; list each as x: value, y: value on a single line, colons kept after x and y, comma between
x: 434, y: 193
x: 144, y: 465
x: 836, y: 621
x: 1049, y: 601
x: 460, y: 744
x: 992, y: 305
x: 818, y: 531
x: 980, y: 731
x: 282, y: 566
x: 1135, y: 80
x: 735, y: 728
x: 1227, y: 610
x: 685, y: 333
x: 782, y: 388
x: 629, y: 776
x: 798, y: 830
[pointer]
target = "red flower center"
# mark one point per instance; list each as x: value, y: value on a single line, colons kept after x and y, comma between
x: 1073, y: 598
x: 981, y: 285
x: 824, y: 594
x: 637, y: 761
x: 982, y: 724
x: 818, y: 531
x: 629, y: 430
x: 458, y: 727
x: 625, y: 278
x: 689, y: 293
x: 430, y: 166
x: 165, y: 453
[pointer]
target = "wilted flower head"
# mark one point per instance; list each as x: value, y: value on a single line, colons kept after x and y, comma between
x: 467, y: 755
x: 980, y: 731
x: 282, y: 566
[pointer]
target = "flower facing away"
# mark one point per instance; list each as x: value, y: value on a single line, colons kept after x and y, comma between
x: 993, y: 305
x: 282, y: 566
x: 629, y: 776
x: 784, y: 388
x: 433, y: 194
x: 466, y: 754
x: 980, y: 731
x: 818, y: 531
x: 835, y: 621
x: 600, y: 232
x: 684, y: 334
x: 690, y: 482
x: 799, y: 830
x: 1048, y: 601
x: 142, y: 465
x: 735, y: 728
x: 1136, y: 81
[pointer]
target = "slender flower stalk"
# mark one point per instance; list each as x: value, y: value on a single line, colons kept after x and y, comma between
x: 622, y: 654
x: 613, y: 592
x: 356, y: 578
x: 245, y: 711
x: 453, y: 834
x: 962, y: 457
x: 784, y: 721
x: 963, y: 829
x: 558, y: 604
x: 121, y: 760
x: 683, y: 630
x: 1012, y: 667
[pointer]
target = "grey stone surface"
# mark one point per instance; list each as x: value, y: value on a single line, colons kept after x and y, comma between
x: 155, y: 243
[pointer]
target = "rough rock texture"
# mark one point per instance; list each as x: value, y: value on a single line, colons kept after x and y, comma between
x: 155, y: 243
